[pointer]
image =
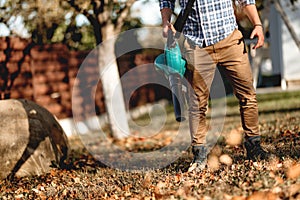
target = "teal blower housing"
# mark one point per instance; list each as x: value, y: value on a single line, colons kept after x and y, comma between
x: 173, y: 67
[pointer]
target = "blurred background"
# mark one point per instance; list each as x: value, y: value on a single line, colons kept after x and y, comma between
x: 43, y: 44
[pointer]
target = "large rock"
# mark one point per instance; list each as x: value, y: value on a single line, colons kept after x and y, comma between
x: 31, y: 139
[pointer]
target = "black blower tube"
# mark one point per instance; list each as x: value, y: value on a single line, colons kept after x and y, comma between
x: 177, y: 96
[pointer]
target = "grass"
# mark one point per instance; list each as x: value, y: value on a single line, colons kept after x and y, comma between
x: 229, y: 176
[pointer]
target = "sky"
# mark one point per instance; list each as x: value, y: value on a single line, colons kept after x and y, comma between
x: 17, y: 27
x: 148, y: 12
x: 3, y: 30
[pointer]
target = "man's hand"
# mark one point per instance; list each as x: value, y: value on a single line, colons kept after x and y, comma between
x: 259, y: 34
x: 252, y: 14
x: 166, y: 27
x: 166, y: 17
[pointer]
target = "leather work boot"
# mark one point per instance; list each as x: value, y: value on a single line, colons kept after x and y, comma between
x: 200, y: 158
x: 254, y: 150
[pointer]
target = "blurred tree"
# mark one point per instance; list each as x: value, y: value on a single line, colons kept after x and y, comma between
x: 107, y: 18
x: 55, y: 21
x: 41, y: 17
x: 46, y: 21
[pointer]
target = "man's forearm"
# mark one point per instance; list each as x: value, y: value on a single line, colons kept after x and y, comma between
x: 252, y: 14
x: 166, y: 14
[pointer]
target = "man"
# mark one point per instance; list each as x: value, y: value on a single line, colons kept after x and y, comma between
x: 211, y: 38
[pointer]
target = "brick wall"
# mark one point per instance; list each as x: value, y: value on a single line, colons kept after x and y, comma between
x: 46, y: 74
x: 15, y: 71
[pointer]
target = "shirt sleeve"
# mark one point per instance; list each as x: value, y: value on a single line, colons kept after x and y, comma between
x: 167, y: 4
x: 246, y: 2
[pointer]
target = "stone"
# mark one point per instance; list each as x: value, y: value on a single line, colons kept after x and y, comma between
x: 31, y: 139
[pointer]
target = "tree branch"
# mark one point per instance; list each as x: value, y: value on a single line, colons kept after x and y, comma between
x: 123, y: 14
x: 90, y: 17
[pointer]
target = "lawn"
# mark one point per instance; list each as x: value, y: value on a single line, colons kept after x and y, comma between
x: 228, y: 176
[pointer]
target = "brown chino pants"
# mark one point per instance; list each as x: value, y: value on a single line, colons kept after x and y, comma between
x: 231, y: 55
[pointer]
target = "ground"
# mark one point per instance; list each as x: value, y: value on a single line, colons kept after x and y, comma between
x: 229, y: 175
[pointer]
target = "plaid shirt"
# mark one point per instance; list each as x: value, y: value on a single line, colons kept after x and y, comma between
x: 210, y: 21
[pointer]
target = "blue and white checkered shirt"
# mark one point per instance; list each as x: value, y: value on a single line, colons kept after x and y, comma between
x: 210, y: 21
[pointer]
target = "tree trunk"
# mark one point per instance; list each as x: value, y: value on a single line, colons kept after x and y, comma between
x: 112, y: 88
x: 104, y: 28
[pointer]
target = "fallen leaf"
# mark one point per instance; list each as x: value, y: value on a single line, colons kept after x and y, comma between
x: 76, y: 180
x: 225, y: 159
x: 180, y: 192
x: 187, y: 187
x: 293, y: 172
x: 206, y: 198
x: 213, y: 162
x: 177, y: 178
x: 263, y: 195
x: 190, y: 198
x: 217, y: 151
x: 294, y: 189
x: 238, y: 198
x: 234, y: 138
x: 276, y: 190
x: 258, y: 184
x: 159, y: 189
x: 227, y: 197
x: 278, y: 180
x: 147, y: 182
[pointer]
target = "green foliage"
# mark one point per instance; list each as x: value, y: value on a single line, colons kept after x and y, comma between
x: 55, y: 21
x: 75, y: 37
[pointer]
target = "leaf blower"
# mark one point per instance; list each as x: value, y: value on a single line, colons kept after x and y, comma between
x: 173, y: 65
